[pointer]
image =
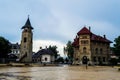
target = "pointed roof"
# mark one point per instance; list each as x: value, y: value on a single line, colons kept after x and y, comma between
x: 84, y: 30
x: 27, y: 24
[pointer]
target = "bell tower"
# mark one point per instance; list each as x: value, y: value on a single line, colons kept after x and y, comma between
x: 26, y: 43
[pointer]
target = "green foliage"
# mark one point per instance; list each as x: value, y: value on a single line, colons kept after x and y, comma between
x: 4, y: 47
x: 113, y: 61
x: 60, y: 59
x: 70, y: 50
x: 54, y: 50
x: 116, y: 47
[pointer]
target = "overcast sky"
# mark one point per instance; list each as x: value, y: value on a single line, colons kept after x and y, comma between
x: 57, y: 21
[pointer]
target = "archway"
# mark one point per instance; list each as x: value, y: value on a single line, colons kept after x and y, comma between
x: 84, y: 60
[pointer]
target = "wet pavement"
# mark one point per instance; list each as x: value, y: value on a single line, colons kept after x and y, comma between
x: 59, y: 73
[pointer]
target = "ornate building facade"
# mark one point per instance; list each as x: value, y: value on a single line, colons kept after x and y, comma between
x: 26, y: 43
x: 87, y: 44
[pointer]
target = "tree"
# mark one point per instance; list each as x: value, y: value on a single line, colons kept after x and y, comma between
x: 60, y: 60
x: 4, y: 47
x: 69, y: 50
x: 113, y: 61
x: 116, y: 47
x: 54, y: 50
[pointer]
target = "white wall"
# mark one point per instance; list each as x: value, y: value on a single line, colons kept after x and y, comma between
x: 46, y: 56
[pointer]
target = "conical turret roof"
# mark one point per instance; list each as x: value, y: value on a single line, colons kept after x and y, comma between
x: 27, y: 24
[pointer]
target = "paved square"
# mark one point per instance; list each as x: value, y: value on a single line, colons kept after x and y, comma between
x: 59, y: 73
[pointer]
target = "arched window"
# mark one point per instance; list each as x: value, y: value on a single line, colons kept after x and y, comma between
x: 101, y: 50
x: 45, y: 58
x: 96, y: 50
x: 94, y: 59
x: 104, y: 59
x: 25, y: 39
x: 84, y: 50
x: 25, y: 54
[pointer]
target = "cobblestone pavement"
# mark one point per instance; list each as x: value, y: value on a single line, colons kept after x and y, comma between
x: 59, y: 73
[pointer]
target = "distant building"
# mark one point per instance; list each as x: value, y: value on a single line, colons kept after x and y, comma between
x: 15, y: 49
x: 87, y: 44
x: 44, y: 56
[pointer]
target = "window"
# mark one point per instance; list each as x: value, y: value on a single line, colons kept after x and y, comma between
x: 96, y: 50
x: 84, y: 50
x: 101, y: 51
x: 25, y: 39
x: 26, y: 54
x: 25, y: 30
x: 45, y: 58
x: 99, y: 59
x: 94, y: 59
x: 104, y: 59
x: 84, y: 41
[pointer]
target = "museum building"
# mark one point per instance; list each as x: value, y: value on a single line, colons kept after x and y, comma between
x: 87, y: 44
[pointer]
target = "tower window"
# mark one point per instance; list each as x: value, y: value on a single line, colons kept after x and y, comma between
x: 25, y: 30
x: 84, y: 50
x: 25, y: 39
x: 84, y: 42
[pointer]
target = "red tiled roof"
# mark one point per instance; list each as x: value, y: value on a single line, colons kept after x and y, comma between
x: 99, y: 38
x: 84, y: 30
x: 94, y: 37
x: 76, y: 42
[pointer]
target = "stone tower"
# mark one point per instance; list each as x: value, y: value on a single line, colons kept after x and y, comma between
x: 85, y: 43
x: 26, y: 43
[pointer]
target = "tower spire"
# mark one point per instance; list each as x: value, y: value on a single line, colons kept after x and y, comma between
x: 27, y: 24
x: 28, y: 15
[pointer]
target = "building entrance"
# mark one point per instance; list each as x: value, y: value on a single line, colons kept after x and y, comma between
x: 84, y: 60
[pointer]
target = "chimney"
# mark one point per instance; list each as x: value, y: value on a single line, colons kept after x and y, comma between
x: 40, y: 47
x: 76, y: 37
x: 46, y: 47
x: 89, y: 28
x: 104, y: 36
